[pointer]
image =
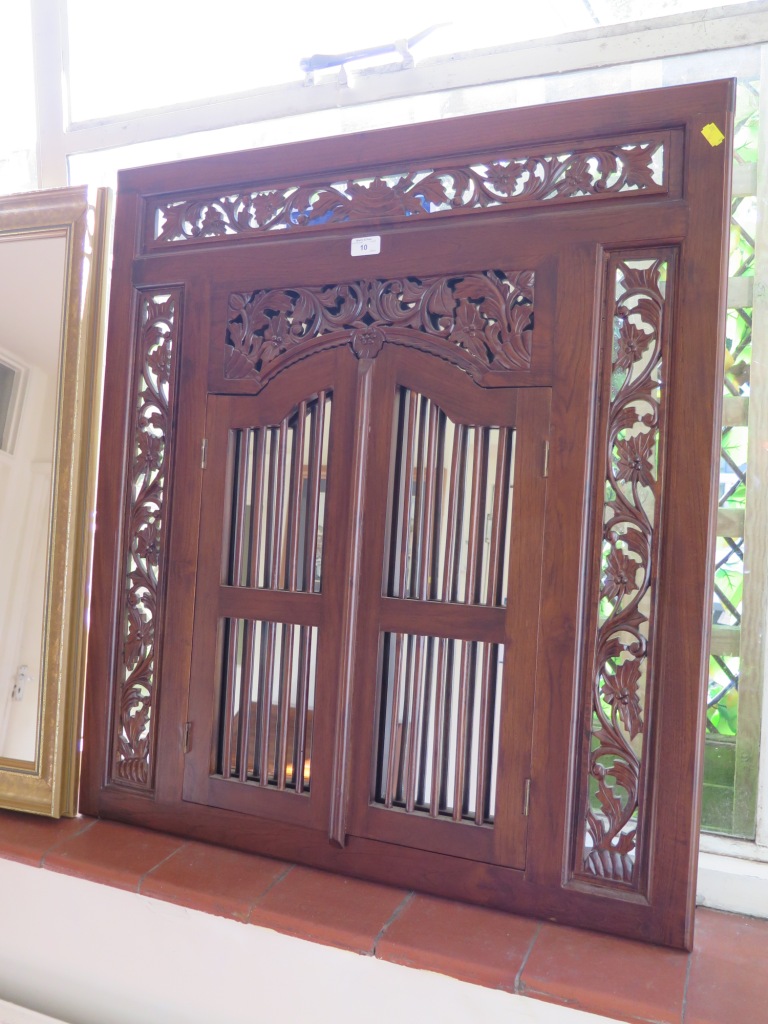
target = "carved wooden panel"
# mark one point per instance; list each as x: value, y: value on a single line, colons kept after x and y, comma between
x: 604, y: 168
x: 482, y: 321
x: 631, y: 448
x: 144, y: 544
x: 584, y: 627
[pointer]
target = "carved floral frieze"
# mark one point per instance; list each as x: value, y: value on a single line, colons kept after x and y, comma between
x: 607, y: 169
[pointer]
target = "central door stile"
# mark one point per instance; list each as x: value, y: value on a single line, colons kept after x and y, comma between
x: 355, y: 588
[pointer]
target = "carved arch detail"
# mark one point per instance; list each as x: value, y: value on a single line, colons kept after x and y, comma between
x: 481, y: 321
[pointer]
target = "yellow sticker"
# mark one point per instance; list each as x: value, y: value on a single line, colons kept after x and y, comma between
x: 712, y: 134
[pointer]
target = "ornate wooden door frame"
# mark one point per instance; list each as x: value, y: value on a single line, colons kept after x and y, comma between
x: 619, y: 207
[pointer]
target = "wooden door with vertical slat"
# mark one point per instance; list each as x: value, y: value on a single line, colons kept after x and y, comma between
x: 454, y: 507
x: 268, y: 614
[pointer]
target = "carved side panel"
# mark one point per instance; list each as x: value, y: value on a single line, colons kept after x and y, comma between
x: 144, y: 544
x: 591, y: 171
x: 481, y: 321
x: 611, y: 832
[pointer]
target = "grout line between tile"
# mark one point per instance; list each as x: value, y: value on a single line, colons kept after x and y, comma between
x: 159, y: 863
x: 392, y: 917
x: 275, y: 881
x: 685, y: 988
x: 519, y: 987
x: 64, y: 839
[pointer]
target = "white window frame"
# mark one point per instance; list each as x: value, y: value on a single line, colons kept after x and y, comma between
x: 733, y: 874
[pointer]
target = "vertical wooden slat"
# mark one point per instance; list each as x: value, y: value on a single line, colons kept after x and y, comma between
x: 475, y: 545
x: 297, y: 477
x: 427, y: 527
x: 276, y: 578
x: 405, y: 446
x: 257, y: 500
x: 462, y: 434
x: 398, y: 675
x: 265, y: 704
x: 451, y: 516
x: 439, y: 511
x: 302, y: 707
x: 313, y: 495
x: 246, y: 674
x: 485, y: 719
x: 462, y: 726
x: 417, y: 538
x: 413, y: 727
x: 498, y: 521
x: 284, y: 705
x: 438, y: 751
x: 239, y: 503
x: 227, y: 719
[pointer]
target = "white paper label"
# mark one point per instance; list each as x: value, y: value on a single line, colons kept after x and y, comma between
x: 369, y: 246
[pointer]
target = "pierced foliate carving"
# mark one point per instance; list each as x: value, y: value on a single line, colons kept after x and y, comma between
x: 631, y: 511
x: 144, y: 533
x: 607, y: 169
x: 482, y: 321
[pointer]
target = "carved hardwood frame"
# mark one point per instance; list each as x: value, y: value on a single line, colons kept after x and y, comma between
x: 594, y: 698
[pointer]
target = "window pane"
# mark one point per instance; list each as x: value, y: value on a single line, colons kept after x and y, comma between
x: 18, y: 172
x: 167, y: 54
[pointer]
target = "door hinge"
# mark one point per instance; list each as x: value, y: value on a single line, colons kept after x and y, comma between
x: 526, y: 797
x: 203, y: 452
x: 546, y: 458
x: 187, y: 740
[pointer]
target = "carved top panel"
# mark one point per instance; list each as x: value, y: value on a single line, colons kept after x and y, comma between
x: 588, y: 171
x: 480, y: 321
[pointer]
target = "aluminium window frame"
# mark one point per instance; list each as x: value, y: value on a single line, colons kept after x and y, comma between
x: 723, y: 861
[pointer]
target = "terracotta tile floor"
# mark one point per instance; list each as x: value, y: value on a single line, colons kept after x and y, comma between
x: 724, y: 980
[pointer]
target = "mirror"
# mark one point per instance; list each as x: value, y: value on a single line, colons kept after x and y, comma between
x: 52, y: 284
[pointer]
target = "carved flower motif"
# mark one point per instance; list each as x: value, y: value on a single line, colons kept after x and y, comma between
x: 139, y: 636
x: 620, y: 576
x: 503, y: 177
x: 149, y: 455
x: 631, y: 343
x: 277, y: 337
x: 148, y: 543
x: 620, y: 692
x: 633, y: 459
x: 469, y: 329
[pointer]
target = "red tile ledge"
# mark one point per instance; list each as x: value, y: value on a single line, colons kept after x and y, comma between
x: 213, y: 879
x: 335, y: 911
x: 484, y: 947
x: 723, y: 981
x: 114, y: 854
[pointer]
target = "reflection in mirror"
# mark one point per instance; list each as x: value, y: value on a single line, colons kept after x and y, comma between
x: 29, y: 364
x: 52, y: 252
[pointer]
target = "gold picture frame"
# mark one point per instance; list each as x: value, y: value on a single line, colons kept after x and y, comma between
x: 73, y: 224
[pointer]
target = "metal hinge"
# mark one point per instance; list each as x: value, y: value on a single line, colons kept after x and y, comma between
x: 203, y: 452
x: 187, y: 740
x: 546, y: 458
x: 526, y: 797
